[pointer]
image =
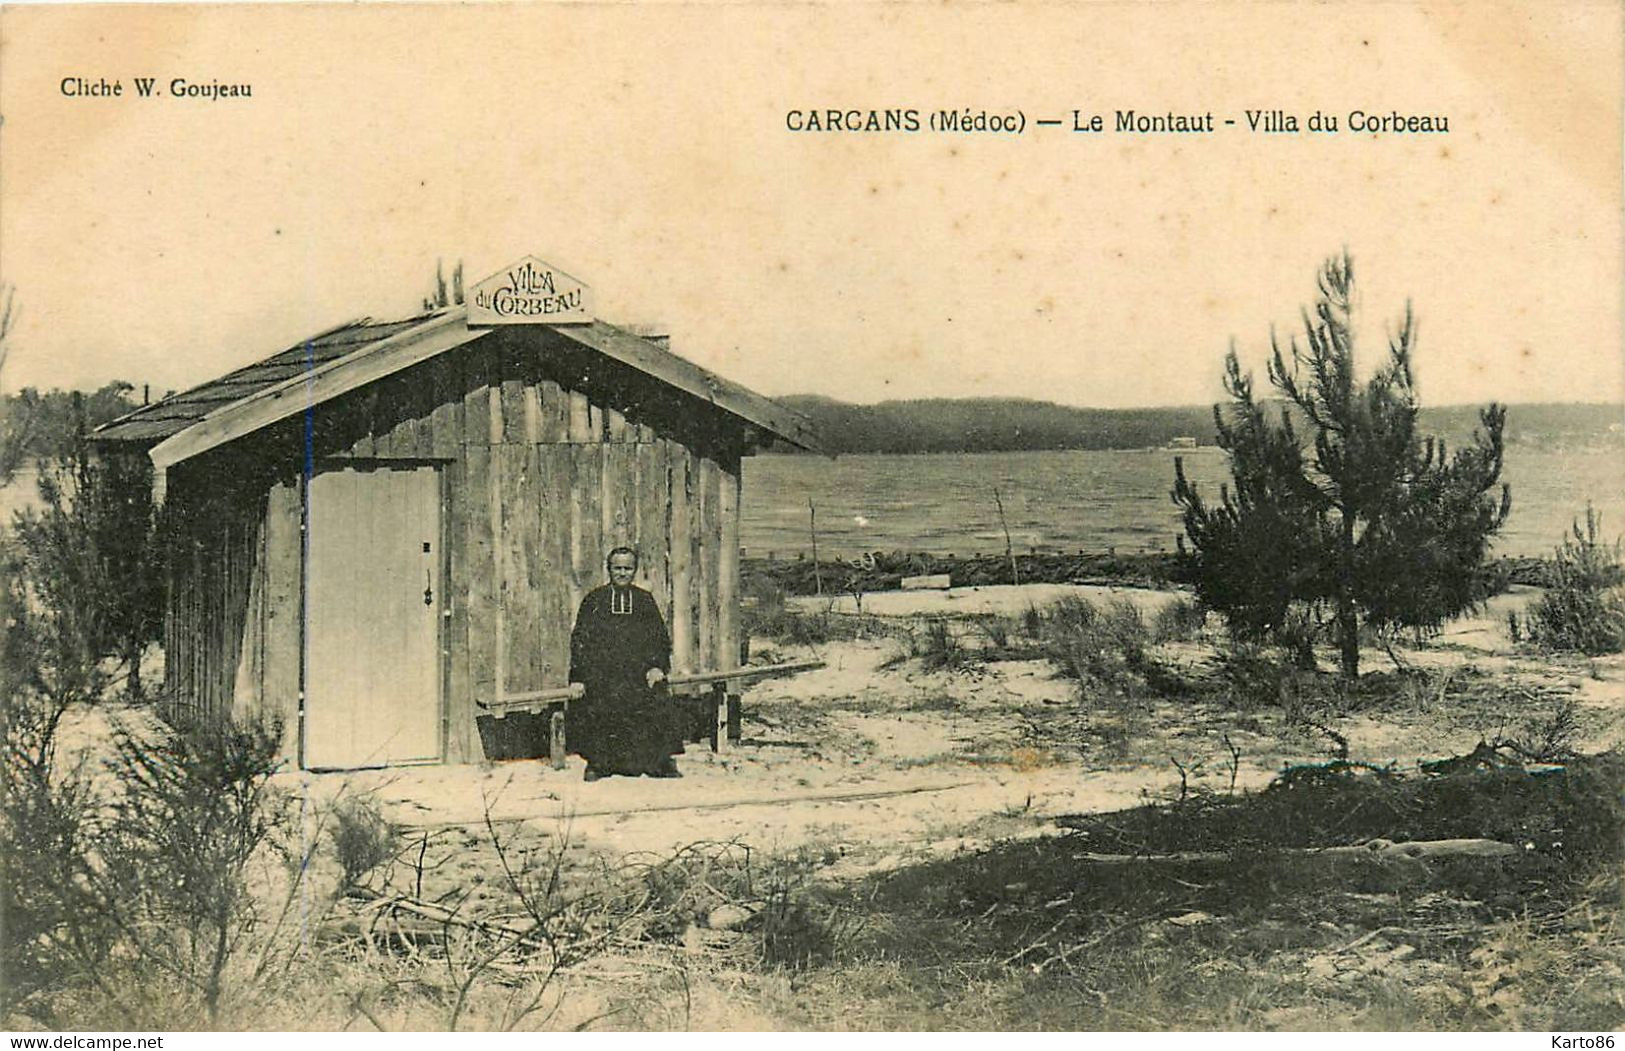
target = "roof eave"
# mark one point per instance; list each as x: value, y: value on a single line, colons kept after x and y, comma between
x: 368, y: 363
x: 676, y: 371
x: 435, y: 335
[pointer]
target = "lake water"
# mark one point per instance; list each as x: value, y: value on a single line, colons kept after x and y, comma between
x: 1084, y: 500
x: 1061, y: 501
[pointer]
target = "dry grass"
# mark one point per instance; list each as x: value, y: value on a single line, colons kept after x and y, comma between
x: 1025, y: 936
x: 767, y: 616
x: 1022, y: 935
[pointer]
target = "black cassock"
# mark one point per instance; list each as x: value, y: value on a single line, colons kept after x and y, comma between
x: 621, y: 726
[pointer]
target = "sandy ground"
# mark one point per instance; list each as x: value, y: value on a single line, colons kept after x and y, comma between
x: 1004, y: 599
x: 873, y: 763
x: 873, y: 757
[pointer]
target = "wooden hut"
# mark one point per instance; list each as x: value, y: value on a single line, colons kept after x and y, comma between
x: 379, y: 530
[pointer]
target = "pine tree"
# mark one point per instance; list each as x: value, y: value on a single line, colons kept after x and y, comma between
x: 1367, y: 521
x: 91, y: 556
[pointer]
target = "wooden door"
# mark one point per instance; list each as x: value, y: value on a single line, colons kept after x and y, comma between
x: 372, y: 618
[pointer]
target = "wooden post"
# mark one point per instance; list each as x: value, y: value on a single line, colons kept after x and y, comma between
x: 719, y: 722
x: 1015, y: 577
x: 735, y: 719
x: 555, y: 739
x: 728, y: 559
x: 681, y: 555
x: 812, y: 526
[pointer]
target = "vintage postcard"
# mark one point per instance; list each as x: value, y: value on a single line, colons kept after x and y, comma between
x: 767, y: 516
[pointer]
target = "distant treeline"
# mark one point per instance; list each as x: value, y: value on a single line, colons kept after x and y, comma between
x: 42, y: 425
x: 36, y: 424
x: 1009, y: 425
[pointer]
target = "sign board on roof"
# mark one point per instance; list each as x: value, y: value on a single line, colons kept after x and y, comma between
x: 527, y: 293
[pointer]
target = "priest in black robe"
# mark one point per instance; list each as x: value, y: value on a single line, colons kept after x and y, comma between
x: 620, y: 651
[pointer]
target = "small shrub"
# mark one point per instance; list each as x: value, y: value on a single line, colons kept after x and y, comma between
x: 1105, y: 652
x: 363, y: 839
x: 795, y: 934
x: 940, y: 648
x: 996, y: 629
x: 1179, y: 621
x: 1251, y: 675
x: 768, y: 616
x: 1102, y: 649
x: 1032, y: 622
x: 1549, y: 737
x: 763, y: 606
x: 1070, y: 613
x: 1582, y: 609
x: 50, y: 939
x: 192, y: 807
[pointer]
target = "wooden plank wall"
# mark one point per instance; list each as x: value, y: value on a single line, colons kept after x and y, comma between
x: 544, y: 469
x: 543, y: 476
x: 221, y: 649
x: 279, y: 682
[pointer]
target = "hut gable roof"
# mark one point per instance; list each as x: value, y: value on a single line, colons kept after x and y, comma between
x: 340, y: 360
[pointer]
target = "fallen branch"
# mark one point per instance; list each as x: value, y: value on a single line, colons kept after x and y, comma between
x: 1042, y: 941
x: 1379, y: 849
x: 1366, y: 937
x: 1068, y: 951
x: 447, y: 917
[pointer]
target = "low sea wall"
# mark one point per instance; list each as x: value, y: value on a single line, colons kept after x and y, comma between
x: 885, y: 570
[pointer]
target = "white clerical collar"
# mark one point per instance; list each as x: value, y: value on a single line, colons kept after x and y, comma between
x: 620, y: 599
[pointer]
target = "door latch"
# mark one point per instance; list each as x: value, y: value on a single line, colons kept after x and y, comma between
x: 428, y: 588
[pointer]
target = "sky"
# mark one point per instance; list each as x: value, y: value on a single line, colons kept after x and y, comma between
x: 645, y: 150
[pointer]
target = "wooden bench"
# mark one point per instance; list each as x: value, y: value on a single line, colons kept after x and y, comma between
x: 723, y: 686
